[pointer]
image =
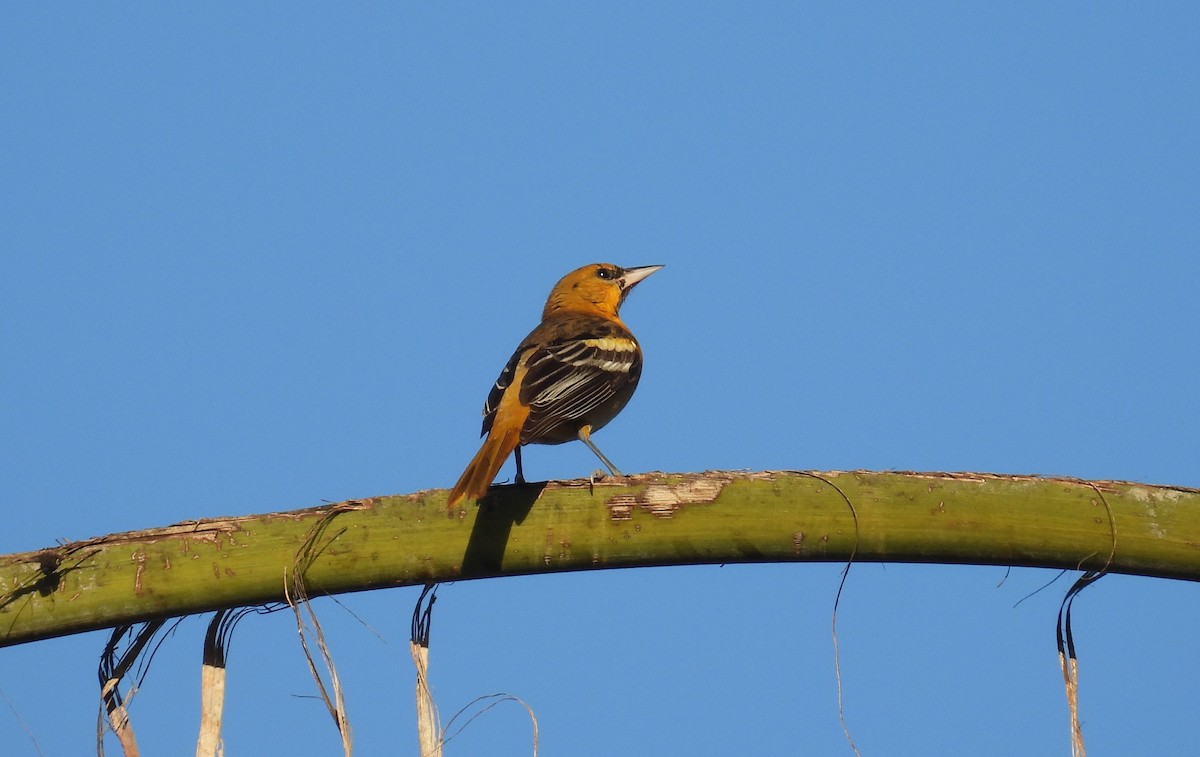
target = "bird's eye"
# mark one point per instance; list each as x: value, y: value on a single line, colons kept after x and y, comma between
x: 606, y: 273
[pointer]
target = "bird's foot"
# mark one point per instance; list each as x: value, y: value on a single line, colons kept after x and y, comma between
x: 598, y: 475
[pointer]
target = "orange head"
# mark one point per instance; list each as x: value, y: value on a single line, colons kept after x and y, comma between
x: 598, y: 288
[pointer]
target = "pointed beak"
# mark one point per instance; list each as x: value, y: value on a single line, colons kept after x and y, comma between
x: 634, y: 275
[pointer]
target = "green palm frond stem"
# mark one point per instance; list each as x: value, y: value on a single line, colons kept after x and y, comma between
x: 636, y: 521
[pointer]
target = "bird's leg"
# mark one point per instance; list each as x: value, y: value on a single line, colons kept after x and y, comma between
x: 520, y: 473
x: 585, y: 436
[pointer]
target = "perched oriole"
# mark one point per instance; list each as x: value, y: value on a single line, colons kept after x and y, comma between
x: 567, y: 379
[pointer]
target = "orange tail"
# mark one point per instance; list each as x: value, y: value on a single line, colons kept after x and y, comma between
x: 476, y: 479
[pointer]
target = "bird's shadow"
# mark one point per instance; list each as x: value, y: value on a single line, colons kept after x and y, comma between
x: 502, y: 508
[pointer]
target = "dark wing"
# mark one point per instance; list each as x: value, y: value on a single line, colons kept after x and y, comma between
x: 493, y: 399
x: 570, y: 377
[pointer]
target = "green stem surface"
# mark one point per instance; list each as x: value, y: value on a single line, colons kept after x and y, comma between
x: 637, y: 521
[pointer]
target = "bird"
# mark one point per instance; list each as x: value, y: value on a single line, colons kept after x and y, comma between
x: 566, y: 380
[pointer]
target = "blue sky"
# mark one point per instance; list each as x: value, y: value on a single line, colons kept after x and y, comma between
x: 260, y: 257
